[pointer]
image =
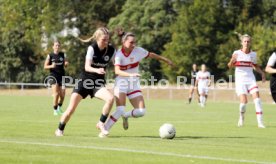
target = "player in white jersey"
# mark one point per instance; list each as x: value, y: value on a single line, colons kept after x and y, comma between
x: 203, y: 82
x: 245, y: 61
x: 127, y: 81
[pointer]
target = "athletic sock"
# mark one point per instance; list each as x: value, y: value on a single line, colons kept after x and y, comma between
x: 103, y: 118
x: 61, y: 126
x: 114, y: 117
x: 259, y: 110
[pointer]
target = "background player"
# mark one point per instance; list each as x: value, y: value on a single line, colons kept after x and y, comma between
x: 55, y: 62
x: 193, y: 88
x: 245, y: 60
x: 203, y: 82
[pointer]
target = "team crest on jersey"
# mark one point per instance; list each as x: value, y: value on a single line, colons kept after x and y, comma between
x: 61, y: 59
x: 106, y: 58
x: 131, y: 59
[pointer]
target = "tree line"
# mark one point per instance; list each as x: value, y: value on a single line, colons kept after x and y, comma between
x: 186, y: 31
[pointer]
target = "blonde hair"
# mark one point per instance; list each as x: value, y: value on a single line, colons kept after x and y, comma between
x: 242, y: 36
x: 126, y: 35
x: 97, y: 34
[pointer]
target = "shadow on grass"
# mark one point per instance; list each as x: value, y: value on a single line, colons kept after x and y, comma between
x: 180, y: 137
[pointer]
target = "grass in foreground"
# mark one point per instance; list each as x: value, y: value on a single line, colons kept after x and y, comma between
x: 208, y: 135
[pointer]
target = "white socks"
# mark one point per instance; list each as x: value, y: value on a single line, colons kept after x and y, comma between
x: 114, y: 117
x: 242, y: 109
x: 202, y: 100
x: 138, y: 112
x: 259, y: 110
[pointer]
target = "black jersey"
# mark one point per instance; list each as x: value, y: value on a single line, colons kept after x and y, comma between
x: 101, y: 58
x: 193, y: 74
x: 59, y: 60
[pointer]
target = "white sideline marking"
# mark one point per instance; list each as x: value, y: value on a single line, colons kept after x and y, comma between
x: 138, y: 151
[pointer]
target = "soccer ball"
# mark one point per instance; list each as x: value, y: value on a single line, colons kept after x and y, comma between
x: 167, y: 131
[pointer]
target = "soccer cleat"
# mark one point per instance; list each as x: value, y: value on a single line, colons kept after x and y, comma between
x: 101, y: 127
x: 202, y: 105
x: 125, y: 122
x: 261, y: 125
x: 59, y: 110
x: 59, y: 133
x: 56, y: 113
x: 241, y: 122
x: 101, y: 135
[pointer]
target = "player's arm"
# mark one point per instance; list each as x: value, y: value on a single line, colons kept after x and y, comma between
x: 232, y: 61
x: 260, y: 71
x: 160, y: 58
x: 120, y: 72
x: 88, y: 67
x: 66, y: 62
x: 47, y: 63
x: 209, y: 81
x: 269, y: 69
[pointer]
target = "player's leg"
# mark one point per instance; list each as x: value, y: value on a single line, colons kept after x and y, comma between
x: 108, y: 98
x: 62, y: 93
x: 202, y: 95
x: 191, y: 91
x: 241, y: 90
x: 74, y: 101
x: 120, y: 98
x: 55, y: 92
x: 253, y: 89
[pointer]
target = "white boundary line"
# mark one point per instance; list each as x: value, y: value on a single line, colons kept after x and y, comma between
x: 138, y: 151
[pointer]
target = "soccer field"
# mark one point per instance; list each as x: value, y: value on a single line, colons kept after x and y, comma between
x: 208, y: 135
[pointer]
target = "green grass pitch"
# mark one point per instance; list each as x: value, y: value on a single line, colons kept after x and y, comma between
x: 208, y: 135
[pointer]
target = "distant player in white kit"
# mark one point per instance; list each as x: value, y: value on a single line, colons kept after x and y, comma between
x: 203, y: 82
x: 127, y: 82
x: 245, y: 61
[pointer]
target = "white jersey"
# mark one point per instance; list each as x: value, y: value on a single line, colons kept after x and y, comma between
x: 244, y: 66
x: 203, y: 78
x: 130, y: 62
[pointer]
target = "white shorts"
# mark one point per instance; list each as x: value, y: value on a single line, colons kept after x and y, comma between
x: 129, y: 86
x: 246, y: 88
x: 203, y: 89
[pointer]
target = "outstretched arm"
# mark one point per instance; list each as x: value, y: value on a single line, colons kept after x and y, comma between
x: 120, y: 72
x: 161, y: 58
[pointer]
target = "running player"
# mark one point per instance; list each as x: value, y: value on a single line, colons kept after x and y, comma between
x: 245, y: 61
x: 193, y: 88
x: 92, y: 80
x: 127, y: 81
x: 55, y: 62
x: 271, y: 68
x: 203, y: 82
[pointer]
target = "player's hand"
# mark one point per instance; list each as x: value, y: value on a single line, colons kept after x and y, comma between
x: 170, y: 63
x: 135, y: 75
x: 66, y: 63
x: 100, y: 71
x: 53, y: 65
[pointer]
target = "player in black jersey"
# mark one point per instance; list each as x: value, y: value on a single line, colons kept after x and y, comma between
x: 55, y: 62
x: 193, y: 88
x: 92, y: 80
x: 271, y: 68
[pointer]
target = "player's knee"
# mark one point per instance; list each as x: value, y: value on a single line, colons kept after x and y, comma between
x: 141, y: 112
x: 110, y: 100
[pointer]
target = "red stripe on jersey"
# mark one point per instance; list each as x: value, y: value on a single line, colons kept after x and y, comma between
x: 113, y: 119
x: 244, y: 64
x: 259, y: 112
x: 203, y: 78
x: 129, y: 66
x: 252, y: 88
x: 133, y: 92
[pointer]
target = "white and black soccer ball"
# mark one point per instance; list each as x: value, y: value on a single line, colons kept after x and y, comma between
x: 167, y: 131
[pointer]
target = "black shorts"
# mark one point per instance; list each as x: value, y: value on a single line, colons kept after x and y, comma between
x: 85, y: 89
x: 55, y: 79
